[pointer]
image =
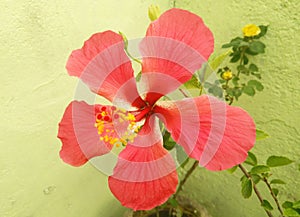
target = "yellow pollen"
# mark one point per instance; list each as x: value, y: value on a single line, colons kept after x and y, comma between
x: 105, y: 127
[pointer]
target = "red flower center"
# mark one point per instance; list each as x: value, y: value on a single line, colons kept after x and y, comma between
x: 115, y: 126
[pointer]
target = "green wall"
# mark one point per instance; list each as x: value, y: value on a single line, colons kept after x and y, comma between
x: 276, y: 110
x: 36, y: 39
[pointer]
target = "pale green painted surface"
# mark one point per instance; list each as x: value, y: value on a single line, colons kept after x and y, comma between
x: 276, y: 110
x: 36, y: 39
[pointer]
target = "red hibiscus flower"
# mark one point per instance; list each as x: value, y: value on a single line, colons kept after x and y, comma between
x: 209, y: 130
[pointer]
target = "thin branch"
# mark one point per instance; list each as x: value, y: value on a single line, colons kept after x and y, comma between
x: 255, y: 188
x: 182, y: 182
x: 273, y: 195
x: 174, y: 4
x: 183, y: 93
x: 157, y: 212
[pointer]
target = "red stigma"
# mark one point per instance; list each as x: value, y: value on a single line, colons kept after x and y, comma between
x: 106, y: 118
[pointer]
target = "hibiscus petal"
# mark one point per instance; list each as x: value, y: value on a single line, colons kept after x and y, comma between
x: 175, y: 46
x: 104, y: 66
x: 216, y: 134
x: 79, y: 135
x: 145, y: 175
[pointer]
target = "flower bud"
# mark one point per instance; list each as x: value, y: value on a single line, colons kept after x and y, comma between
x: 153, y: 12
x: 251, y: 30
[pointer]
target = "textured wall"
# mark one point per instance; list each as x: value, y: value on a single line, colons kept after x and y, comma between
x: 36, y: 39
x: 276, y: 110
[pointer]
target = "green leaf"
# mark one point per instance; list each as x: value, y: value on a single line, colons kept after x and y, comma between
x: 166, y: 136
x: 247, y: 188
x: 260, y: 135
x: 263, y: 31
x: 257, y: 47
x: 214, y: 89
x: 253, y: 68
x: 266, y: 205
x: 215, y: 62
x: 232, y: 169
x: 257, y: 75
x: 193, y: 83
x: 236, y: 56
x: 244, y: 44
x: 251, y: 159
x: 296, y: 205
x: 233, y: 43
x: 235, y: 81
x: 256, y: 84
x: 173, y: 202
x: 259, y: 169
x: 249, y: 90
x: 277, y: 181
x: 236, y: 92
x: 169, y: 143
x: 227, y: 45
x: 275, y: 191
x: 243, y: 179
x: 287, y: 204
x: 255, y: 178
x: 276, y: 161
x: 290, y: 212
x: 250, y: 52
x: 242, y: 69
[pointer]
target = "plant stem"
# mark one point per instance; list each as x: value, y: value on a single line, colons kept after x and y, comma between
x: 157, y: 212
x: 243, y: 169
x: 241, y: 60
x: 183, y: 93
x: 133, y: 58
x: 187, y: 175
x: 201, y: 90
x: 273, y: 195
x: 174, y: 3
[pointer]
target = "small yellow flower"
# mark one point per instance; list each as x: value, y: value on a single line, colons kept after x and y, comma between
x: 153, y: 12
x: 227, y: 75
x: 251, y: 30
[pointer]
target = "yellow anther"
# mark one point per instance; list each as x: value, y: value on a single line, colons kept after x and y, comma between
x: 123, y: 142
x: 130, y: 117
x: 105, y: 127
